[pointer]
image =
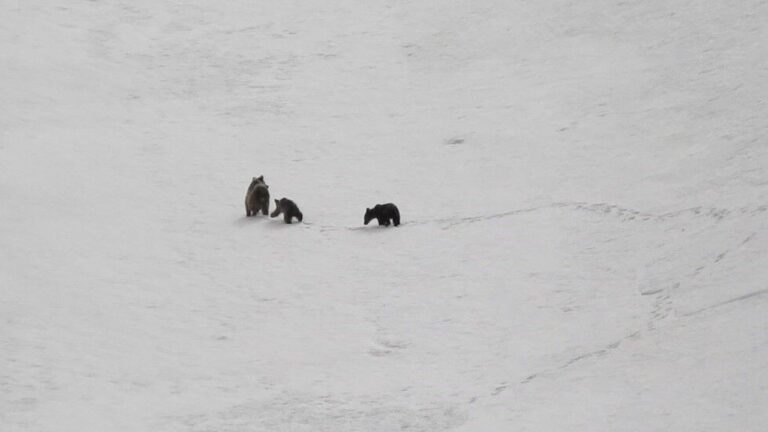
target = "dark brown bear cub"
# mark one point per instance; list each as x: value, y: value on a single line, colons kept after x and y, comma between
x: 289, y: 209
x: 383, y: 213
x: 257, y: 197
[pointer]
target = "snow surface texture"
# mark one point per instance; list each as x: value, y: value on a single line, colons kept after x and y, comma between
x: 584, y: 191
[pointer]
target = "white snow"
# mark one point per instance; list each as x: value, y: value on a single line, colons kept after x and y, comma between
x: 584, y: 190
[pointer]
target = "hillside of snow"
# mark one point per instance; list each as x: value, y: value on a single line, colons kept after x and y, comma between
x: 583, y: 187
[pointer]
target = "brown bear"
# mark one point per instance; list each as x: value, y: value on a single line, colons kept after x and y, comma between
x: 383, y: 213
x: 257, y: 197
x: 289, y: 209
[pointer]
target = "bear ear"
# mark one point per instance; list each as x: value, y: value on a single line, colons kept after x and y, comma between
x: 261, y: 177
x: 367, y: 209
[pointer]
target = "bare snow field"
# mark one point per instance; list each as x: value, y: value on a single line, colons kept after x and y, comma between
x: 583, y: 186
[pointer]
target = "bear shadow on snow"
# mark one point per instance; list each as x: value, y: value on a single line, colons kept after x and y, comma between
x: 243, y: 221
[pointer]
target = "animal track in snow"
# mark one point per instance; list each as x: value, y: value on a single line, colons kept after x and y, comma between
x: 387, y: 346
x: 591, y: 354
x: 625, y: 214
x: 727, y: 302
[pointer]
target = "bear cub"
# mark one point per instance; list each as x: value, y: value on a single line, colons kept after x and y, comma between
x: 383, y: 213
x: 257, y: 197
x: 289, y: 209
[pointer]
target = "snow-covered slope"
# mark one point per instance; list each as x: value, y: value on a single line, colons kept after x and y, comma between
x: 584, y: 189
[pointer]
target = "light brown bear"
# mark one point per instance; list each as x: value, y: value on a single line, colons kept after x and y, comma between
x: 257, y: 197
